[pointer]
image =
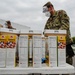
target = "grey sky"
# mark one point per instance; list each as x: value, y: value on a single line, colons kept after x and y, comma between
x: 29, y: 12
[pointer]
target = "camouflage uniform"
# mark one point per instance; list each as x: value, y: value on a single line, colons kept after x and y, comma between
x: 60, y: 21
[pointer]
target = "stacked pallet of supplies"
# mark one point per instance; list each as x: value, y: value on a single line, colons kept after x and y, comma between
x: 29, y: 48
x: 9, y: 37
x: 56, y: 47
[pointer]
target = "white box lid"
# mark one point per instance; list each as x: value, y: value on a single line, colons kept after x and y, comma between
x: 54, y: 31
x: 30, y: 32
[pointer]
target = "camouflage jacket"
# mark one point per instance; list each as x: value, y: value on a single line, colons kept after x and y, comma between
x: 59, y: 20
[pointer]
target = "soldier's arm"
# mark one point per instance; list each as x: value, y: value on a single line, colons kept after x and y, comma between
x: 64, y: 21
x: 47, y: 26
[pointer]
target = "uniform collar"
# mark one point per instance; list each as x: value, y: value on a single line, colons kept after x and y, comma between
x: 55, y: 14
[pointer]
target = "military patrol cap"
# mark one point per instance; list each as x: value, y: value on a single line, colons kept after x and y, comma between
x: 48, y: 4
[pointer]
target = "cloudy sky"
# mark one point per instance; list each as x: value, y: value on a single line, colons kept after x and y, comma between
x: 29, y: 12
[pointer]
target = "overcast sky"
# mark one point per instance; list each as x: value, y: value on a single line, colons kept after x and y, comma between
x: 29, y: 12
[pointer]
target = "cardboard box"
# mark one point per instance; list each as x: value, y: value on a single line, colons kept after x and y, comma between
x: 11, y: 50
x: 52, y: 47
x: 61, y: 50
x: 23, y: 51
x: 10, y: 46
x: 23, y: 57
x: 37, y: 53
x: 61, y: 58
x: 30, y: 34
x: 37, y: 57
x: 3, y: 40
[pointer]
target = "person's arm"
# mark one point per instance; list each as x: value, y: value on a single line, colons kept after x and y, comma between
x: 47, y: 26
x: 64, y: 19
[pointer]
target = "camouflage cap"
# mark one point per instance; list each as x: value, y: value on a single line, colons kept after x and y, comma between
x: 48, y: 4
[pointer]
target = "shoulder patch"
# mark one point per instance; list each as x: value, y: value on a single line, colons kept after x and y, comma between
x: 65, y: 15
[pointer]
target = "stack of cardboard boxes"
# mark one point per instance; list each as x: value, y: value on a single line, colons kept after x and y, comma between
x: 8, y: 42
x: 33, y: 49
x: 56, y: 47
x: 30, y: 48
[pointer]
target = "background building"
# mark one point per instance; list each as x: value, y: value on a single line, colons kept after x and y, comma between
x: 15, y: 25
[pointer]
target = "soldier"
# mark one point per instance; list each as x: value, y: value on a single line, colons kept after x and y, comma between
x: 59, y: 20
x: 8, y: 25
